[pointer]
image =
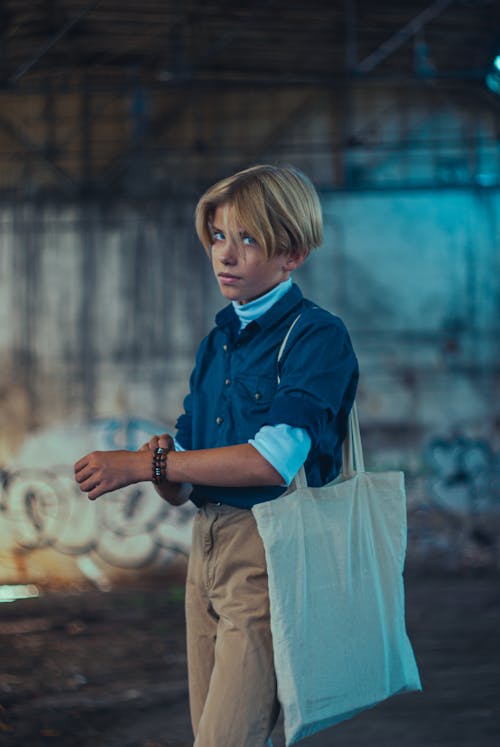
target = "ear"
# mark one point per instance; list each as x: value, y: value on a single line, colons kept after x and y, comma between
x: 296, y: 259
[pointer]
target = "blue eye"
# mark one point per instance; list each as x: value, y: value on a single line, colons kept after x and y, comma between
x: 218, y: 236
x: 249, y: 241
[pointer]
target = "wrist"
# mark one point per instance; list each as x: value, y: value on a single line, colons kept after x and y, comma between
x: 159, y: 465
x: 143, y: 465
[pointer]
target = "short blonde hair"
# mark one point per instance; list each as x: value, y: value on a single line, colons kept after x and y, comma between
x: 278, y: 206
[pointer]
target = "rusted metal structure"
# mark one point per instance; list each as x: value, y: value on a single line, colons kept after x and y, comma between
x: 105, y: 96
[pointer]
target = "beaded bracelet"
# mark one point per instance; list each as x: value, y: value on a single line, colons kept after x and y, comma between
x: 159, y: 463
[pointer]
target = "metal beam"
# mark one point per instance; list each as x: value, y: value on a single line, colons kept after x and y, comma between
x: 229, y: 36
x: 86, y: 169
x: 49, y: 109
x: 351, y: 41
x: 20, y: 137
x: 110, y: 86
x: 167, y: 120
x: 287, y: 120
x: 400, y: 37
x: 52, y: 41
x: 120, y: 163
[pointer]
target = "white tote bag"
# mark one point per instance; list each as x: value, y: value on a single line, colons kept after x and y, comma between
x: 335, y: 559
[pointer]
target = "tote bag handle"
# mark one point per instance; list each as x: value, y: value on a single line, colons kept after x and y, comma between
x: 352, y: 448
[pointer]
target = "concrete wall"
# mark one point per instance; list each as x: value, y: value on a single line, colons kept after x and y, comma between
x: 102, y: 307
x: 415, y: 276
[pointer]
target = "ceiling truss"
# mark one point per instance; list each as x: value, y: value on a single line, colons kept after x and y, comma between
x: 75, y: 73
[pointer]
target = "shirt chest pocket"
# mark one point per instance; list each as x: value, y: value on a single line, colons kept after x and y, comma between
x: 253, y: 396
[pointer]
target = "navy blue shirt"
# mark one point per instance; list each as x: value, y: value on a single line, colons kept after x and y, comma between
x: 234, y: 389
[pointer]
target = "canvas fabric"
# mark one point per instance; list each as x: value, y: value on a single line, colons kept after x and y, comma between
x: 335, y: 558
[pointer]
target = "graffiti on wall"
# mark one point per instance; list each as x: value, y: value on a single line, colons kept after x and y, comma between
x: 454, y: 516
x: 131, y: 528
x: 464, y: 475
x: 454, y: 504
x: 41, y: 507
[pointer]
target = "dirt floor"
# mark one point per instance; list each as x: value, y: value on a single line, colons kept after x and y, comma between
x: 109, y: 670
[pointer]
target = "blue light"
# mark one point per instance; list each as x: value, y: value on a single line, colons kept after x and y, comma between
x: 493, y: 82
x: 492, y: 79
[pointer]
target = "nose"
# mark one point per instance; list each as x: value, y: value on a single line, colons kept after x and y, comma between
x: 228, y: 253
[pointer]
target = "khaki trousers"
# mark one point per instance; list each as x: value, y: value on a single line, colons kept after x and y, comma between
x: 232, y: 683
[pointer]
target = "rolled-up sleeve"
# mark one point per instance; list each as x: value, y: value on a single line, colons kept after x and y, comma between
x: 284, y: 447
x: 184, y: 427
x: 184, y: 424
x: 318, y: 376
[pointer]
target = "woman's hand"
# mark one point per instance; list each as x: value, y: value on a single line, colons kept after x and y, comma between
x: 104, y: 471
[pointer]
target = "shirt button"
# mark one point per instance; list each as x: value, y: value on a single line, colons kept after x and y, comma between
x: 257, y: 395
x: 227, y: 382
x: 224, y: 347
x: 219, y: 420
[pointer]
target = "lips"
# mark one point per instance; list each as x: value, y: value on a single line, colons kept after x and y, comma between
x: 227, y: 278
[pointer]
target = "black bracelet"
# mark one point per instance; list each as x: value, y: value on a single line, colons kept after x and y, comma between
x: 159, y: 463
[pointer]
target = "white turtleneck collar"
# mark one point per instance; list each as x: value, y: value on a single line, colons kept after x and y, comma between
x: 250, y: 311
